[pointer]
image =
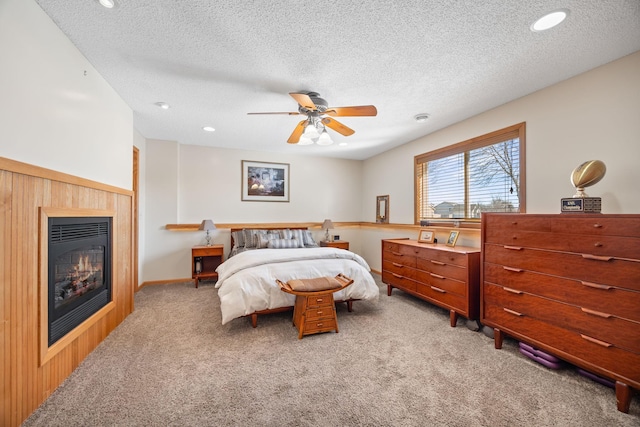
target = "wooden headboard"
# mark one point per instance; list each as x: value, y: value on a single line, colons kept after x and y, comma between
x: 262, y: 228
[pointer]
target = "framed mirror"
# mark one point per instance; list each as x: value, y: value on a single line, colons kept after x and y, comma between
x: 382, y: 209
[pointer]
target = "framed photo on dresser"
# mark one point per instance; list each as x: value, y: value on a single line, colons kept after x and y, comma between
x: 426, y: 236
x: 453, y: 238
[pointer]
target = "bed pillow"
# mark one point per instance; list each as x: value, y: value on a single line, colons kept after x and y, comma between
x: 309, y: 242
x: 251, y: 237
x: 285, y: 233
x: 264, y: 239
x: 283, y: 244
x: 238, y: 238
x: 298, y: 235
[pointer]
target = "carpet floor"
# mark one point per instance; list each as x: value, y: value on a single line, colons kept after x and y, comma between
x: 395, y: 362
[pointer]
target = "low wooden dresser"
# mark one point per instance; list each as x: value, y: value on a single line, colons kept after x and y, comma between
x: 446, y: 276
x: 568, y: 284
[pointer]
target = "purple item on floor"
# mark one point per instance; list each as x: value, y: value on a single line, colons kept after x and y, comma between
x: 597, y: 378
x: 540, y: 356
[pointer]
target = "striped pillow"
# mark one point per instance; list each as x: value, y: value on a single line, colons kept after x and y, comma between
x: 308, y: 240
x: 298, y: 235
x: 238, y: 239
x: 283, y: 244
x: 264, y: 239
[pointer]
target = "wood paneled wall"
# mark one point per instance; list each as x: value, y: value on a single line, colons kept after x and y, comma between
x: 23, y: 190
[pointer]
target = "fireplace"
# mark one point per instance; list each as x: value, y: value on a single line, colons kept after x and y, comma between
x: 79, y: 271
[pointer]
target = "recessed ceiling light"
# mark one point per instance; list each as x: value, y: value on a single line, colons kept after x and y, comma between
x: 208, y: 129
x: 421, y: 118
x: 108, y: 3
x: 163, y: 105
x: 550, y: 20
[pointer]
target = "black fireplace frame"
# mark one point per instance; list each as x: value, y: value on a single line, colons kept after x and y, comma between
x: 68, y: 234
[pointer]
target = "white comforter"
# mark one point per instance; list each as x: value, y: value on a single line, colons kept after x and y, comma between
x: 247, y: 281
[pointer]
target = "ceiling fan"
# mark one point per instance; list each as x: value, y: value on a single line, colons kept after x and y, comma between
x: 319, y: 117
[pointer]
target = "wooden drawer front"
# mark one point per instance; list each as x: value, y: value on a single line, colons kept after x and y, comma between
x: 399, y: 269
x: 320, y: 301
x: 207, y: 252
x: 323, y: 312
x: 444, y: 298
x: 608, y: 361
x: 398, y: 281
x: 624, y: 247
x: 442, y: 269
x: 600, y: 325
x: 595, y: 296
x: 513, y: 222
x: 446, y: 257
x: 442, y: 283
x: 312, y: 326
x: 390, y: 247
x: 588, y: 268
x: 628, y: 226
x: 399, y: 258
x: 598, y: 225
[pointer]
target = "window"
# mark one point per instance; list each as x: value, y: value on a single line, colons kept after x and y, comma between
x: 483, y: 174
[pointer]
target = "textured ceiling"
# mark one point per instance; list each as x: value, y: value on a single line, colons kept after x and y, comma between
x: 215, y: 61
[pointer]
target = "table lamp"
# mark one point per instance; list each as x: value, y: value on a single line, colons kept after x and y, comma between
x: 327, y: 225
x: 207, y: 225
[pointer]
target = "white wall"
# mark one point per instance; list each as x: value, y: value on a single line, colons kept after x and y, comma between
x: 189, y: 183
x: 56, y: 111
x: 593, y: 116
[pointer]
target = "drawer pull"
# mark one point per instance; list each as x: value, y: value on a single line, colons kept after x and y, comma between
x: 319, y: 325
x: 397, y: 253
x: 596, y: 313
x: 515, y: 313
x: 437, y: 262
x: 515, y: 270
x: 597, y: 258
x: 597, y: 286
x: 595, y: 341
x: 513, y: 291
x: 513, y: 248
x: 597, y: 225
x: 319, y: 299
x: 437, y: 276
x: 442, y: 291
x: 397, y: 276
x: 395, y: 264
x: 597, y: 244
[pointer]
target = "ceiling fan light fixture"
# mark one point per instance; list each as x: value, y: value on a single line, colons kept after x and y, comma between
x: 324, y: 139
x: 304, y: 140
x: 549, y: 20
x: 311, y: 131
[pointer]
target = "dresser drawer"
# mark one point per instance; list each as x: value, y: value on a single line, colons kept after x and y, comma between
x: 600, y: 325
x: 398, y: 281
x: 399, y: 258
x: 444, y: 298
x: 325, y: 300
x: 595, y: 296
x: 442, y: 256
x: 441, y: 282
x: 600, y: 245
x: 513, y: 222
x: 582, y: 224
x: 588, y: 268
x: 601, y: 358
x: 390, y: 246
x: 399, y: 269
x: 312, y: 326
x: 320, y: 312
x: 442, y: 269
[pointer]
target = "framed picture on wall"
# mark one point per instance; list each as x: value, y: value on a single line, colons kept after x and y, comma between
x: 453, y: 238
x: 265, y: 182
x: 426, y: 236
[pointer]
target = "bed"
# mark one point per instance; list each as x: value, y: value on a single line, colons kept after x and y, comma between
x: 247, y: 284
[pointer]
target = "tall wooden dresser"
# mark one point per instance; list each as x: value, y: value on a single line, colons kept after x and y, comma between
x: 568, y: 284
x: 448, y: 277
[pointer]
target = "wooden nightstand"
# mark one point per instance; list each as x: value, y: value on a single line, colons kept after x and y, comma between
x: 208, y: 258
x: 340, y: 244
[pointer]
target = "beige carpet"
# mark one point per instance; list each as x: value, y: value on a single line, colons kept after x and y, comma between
x: 396, y: 362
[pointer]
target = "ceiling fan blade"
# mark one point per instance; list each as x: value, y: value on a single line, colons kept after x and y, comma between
x: 289, y: 113
x: 359, y: 110
x: 297, y: 133
x: 304, y: 100
x: 337, y: 126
